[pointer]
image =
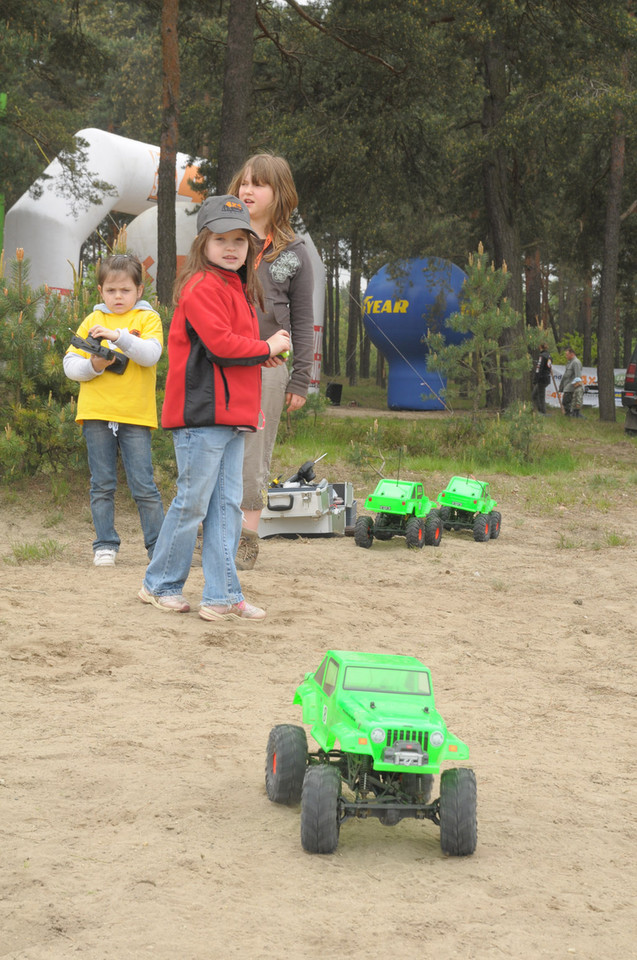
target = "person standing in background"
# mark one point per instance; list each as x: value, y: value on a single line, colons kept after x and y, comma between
x: 572, y: 385
x: 541, y: 379
x: 265, y: 185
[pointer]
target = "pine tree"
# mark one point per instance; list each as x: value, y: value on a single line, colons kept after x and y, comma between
x: 485, y: 314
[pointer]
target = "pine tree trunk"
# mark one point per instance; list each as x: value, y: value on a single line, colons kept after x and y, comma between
x: 365, y: 352
x: 237, y: 91
x: 337, y: 323
x: 608, y: 286
x: 353, y: 314
x: 499, y: 190
x: 586, y: 317
x: 328, y: 329
x: 628, y: 327
x: 533, y: 300
x: 166, y: 188
x: 381, y: 380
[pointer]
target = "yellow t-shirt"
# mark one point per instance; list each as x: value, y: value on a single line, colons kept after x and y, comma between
x: 128, y: 397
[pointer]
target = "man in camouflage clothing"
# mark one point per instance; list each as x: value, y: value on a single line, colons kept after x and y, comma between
x: 572, y: 385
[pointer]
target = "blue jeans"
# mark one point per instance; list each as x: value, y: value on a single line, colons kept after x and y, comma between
x: 209, y: 488
x: 133, y: 443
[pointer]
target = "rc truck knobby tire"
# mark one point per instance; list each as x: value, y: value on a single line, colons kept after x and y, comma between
x: 320, y: 825
x: 415, y: 532
x: 285, y: 763
x: 496, y: 523
x: 433, y: 529
x: 482, y: 528
x: 458, y: 812
x: 364, y: 532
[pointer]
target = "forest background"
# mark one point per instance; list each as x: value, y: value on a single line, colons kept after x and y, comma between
x: 412, y: 128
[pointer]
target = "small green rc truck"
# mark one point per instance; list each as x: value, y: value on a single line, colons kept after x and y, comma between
x: 465, y: 504
x: 403, y: 510
x: 381, y: 738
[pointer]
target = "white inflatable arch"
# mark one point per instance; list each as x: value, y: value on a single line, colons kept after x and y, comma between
x: 49, y: 231
x: 52, y: 233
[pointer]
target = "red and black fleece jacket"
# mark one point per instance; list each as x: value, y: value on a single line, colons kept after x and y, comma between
x: 214, y: 355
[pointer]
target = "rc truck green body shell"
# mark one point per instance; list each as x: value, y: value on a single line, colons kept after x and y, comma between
x: 405, y: 499
x: 402, y: 510
x: 468, y: 495
x: 381, y: 706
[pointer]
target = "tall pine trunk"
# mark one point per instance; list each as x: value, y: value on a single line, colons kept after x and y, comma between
x: 353, y: 314
x: 166, y: 187
x: 586, y: 316
x: 608, y: 285
x: 328, y: 328
x: 533, y: 300
x: 336, y: 356
x: 237, y: 91
x: 499, y: 192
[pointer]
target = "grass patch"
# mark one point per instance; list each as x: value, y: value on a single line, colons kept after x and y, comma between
x: 35, y: 552
x: 375, y: 446
x: 566, y: 543
x: 53, y: 520
x: 499, y: 586
x: 603, y: 482
x: 616, y: 539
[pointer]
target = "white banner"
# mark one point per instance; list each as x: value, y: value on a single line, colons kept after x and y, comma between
x: 591, y: 394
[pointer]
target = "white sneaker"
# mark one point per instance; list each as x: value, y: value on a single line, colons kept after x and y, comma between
x: 104, y: 558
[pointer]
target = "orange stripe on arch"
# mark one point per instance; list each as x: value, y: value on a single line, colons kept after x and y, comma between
x: 191, y: 174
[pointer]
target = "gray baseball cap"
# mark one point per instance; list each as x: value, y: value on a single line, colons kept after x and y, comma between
x: 221, y: 214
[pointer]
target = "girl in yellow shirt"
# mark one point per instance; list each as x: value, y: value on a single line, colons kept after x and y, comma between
x: 117, y: 408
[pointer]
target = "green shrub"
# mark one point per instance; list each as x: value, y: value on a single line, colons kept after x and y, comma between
x: 37, y: 401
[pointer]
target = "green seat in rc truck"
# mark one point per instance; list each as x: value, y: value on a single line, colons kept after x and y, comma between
x: 380, y: 742
x: 403, y: 510
x: 465, y: 504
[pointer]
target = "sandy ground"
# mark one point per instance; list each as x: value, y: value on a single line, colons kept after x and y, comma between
x: 133, y: 814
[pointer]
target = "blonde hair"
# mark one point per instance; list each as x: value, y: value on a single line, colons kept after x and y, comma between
x: 197, y: 262
x: 275, y: 172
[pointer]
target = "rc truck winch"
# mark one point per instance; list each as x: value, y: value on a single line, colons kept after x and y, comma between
x: 380, y: 742
x: 403, y: 510
x: 466, y: 504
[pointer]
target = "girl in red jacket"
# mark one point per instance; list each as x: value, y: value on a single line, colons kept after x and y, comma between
x: 213, y: 392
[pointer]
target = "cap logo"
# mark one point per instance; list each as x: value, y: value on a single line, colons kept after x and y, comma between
x: 231, y: 205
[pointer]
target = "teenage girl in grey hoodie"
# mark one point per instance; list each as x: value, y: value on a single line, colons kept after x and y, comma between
x: 266, y: 187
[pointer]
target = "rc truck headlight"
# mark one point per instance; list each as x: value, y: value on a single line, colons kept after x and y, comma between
x: 377, y: 735
x: 436, y: 739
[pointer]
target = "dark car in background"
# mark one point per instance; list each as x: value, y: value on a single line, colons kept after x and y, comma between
x: 629, y: 395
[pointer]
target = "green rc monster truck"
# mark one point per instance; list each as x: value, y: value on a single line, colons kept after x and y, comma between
x: 380, y: 737
x: 402, y: 509
x: 465, y: 504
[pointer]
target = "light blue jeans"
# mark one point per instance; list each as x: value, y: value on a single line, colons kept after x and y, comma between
x: 209, y: 488
x: 133, y: 443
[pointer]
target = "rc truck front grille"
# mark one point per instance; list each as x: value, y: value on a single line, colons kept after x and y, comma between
x: 419, y: 736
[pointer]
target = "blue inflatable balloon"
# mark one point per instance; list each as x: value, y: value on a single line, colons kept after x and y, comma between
x: 403, y: 302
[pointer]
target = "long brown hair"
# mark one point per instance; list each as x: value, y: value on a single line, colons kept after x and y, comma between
x: 196, y: 262
x: 265, y: 168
